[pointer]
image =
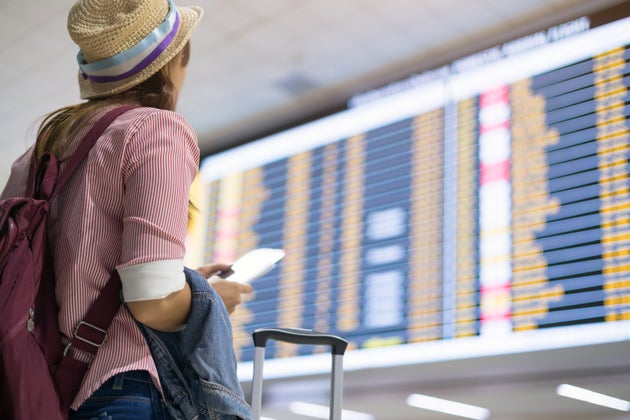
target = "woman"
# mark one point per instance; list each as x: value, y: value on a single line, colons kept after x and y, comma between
x: 126, y: 206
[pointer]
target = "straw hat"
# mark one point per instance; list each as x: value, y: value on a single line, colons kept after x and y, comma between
x: 124, y: 42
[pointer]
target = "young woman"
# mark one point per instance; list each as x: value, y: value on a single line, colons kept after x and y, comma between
x: 126, y: 206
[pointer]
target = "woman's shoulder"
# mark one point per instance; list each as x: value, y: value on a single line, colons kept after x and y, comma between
x: 142, y: 129
x: 143, y: 124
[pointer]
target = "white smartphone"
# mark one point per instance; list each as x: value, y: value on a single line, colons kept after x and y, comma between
x: 253, y: 264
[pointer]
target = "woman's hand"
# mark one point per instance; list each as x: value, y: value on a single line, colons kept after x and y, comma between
x: 231, y: 292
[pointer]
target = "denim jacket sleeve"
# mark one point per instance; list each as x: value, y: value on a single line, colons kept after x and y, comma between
x: 197, y: 366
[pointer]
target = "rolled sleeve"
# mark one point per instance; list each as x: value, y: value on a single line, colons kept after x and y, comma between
x: 153, y: 280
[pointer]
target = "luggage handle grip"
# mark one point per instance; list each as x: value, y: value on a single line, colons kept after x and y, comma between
x: 300, y: 336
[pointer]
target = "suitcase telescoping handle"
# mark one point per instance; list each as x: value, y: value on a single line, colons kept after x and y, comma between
x: 299, y: 336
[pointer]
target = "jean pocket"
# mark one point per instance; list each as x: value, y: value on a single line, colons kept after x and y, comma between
x: 126, y: 396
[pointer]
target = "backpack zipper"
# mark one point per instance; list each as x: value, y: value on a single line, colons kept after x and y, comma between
x: 30, y: 322
x: 14, y: 330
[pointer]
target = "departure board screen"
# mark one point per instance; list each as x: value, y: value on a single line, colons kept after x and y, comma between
x: 488, y: 198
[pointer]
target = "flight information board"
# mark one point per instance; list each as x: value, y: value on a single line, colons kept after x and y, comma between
x: 490, y: 198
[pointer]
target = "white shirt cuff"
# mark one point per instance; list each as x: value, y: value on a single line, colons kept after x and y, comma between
x: 152, y: 280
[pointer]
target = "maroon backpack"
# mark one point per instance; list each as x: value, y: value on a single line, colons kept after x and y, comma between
x: 38, y: 377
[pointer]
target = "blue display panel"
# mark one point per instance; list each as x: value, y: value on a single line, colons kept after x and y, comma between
x: 487, y: 202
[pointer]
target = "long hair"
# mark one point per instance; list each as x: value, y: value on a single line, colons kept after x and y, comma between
x: 158, y: 91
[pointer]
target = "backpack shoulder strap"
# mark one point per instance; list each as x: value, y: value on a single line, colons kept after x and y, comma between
x: 86, y: 145
x: 91, y: 333
x: 44, y: 181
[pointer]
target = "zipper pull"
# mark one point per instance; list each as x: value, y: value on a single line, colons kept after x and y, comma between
x: 30, y: 323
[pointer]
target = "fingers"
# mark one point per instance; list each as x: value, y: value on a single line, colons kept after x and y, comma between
x: 210, y: 269
x: 230, y: 292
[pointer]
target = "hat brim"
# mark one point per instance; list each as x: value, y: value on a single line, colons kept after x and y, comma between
x: 189, y: 19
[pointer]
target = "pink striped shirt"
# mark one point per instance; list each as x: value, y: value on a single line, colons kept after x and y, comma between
x: 126, y: 205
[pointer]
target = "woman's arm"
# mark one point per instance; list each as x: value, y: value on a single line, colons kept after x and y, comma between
x: 159, y: 163
x: 167, y: 314
x: 170, y: 313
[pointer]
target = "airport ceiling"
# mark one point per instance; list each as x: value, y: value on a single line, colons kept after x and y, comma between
x: 261, y: 65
